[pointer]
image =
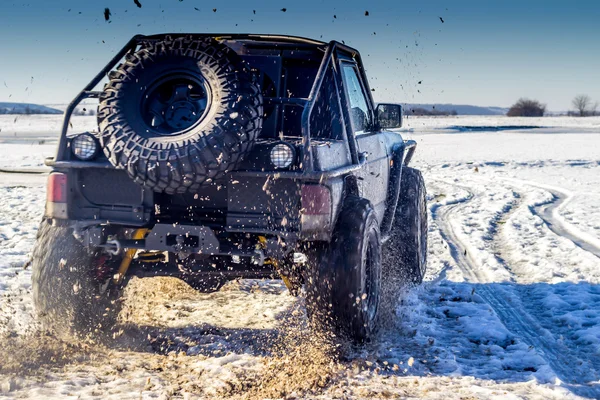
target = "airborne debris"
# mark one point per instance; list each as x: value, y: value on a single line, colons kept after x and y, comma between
x: 137, y: 3
x: 284, y: 9
x: 366, y: 13
x: 107, y: 14
x: 442, y: 19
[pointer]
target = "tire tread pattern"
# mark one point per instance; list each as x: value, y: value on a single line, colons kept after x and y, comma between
x: 409, y: 235
x: 333, y: 282
x: 183, y: 163
x: 65, y: 295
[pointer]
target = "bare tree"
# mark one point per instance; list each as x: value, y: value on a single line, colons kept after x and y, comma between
x: 583, y: 104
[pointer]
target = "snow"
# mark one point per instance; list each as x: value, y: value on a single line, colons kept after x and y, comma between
x: 551, y: 124
x: 38, y: 127
x: 510, y: 307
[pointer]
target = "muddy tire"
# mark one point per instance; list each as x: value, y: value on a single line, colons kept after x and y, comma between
x: 66, y: 294
x: 343, y: 279
x: 409, y: 234
x: 178, y: 113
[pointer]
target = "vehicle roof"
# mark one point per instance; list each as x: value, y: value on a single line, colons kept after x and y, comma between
x: 256, y: 37
x: 265, y: 39
x: 246, y: 37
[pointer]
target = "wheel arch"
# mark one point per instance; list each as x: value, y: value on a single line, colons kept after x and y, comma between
x: 393, y: 191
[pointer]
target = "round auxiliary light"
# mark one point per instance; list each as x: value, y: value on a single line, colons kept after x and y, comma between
x: 282, y: 155
x: 84, y: 146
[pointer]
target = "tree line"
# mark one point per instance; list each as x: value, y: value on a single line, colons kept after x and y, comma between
x: 583, y: 106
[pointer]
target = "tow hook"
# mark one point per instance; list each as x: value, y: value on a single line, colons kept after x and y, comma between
x: 115, y: 247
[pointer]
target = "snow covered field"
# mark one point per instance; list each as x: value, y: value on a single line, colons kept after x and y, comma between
x: 510, y: 309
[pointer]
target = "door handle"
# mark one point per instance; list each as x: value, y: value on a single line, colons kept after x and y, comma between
x: 363, y: 156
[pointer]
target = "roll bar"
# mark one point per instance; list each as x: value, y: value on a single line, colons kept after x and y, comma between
x: 306, y: 103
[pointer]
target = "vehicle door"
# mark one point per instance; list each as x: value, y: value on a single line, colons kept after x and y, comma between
x: 372, y: 180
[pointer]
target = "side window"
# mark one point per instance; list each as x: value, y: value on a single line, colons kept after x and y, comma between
x: 359, y: 111
x: 325, y: 122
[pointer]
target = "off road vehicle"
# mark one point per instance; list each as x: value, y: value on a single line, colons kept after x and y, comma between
x: 225, y: 156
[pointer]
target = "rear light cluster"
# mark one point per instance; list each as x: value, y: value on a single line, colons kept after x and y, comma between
x: 316, y: 208
x: 56, y: 196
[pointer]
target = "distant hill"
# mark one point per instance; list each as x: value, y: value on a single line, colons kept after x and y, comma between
x: 461, y: 109
x: 26, y: 108
x: 86, y: 107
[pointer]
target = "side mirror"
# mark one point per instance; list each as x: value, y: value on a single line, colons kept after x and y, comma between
x: 389, y: 116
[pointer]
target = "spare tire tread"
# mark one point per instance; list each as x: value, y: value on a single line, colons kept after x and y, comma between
x: 183, y: 163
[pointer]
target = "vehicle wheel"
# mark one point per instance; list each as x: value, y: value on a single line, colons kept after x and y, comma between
x: 344, y: 278
x: 179, y: 112
x: 67, y: 293
x: 409, y: 234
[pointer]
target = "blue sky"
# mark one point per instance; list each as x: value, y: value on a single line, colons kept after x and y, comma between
x: 485, y: 52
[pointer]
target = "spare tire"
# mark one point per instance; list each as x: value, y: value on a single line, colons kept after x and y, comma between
x: 179, y: 112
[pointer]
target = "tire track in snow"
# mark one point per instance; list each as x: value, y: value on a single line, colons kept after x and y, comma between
x: 508, y: 306
x: 498, y: 223
x: 549, y: 213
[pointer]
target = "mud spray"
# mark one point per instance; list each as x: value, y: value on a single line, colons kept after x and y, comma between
x: 174, y: 336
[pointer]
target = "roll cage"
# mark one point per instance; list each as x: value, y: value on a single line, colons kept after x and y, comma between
x: 333, y: 51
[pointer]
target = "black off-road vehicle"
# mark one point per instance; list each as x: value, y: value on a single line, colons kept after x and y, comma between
x: 224, y: 156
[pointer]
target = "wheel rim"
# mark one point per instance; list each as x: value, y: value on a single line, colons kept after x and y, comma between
x: 175, y: 104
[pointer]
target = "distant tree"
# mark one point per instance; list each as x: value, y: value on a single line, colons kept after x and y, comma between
x: 527, y: 108
x: 584, y: 106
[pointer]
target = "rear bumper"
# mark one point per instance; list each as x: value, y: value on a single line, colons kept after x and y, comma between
x: 254, y: 202
x: 186, y: 240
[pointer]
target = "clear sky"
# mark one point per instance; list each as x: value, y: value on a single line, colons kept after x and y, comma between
x: 486, y: 52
